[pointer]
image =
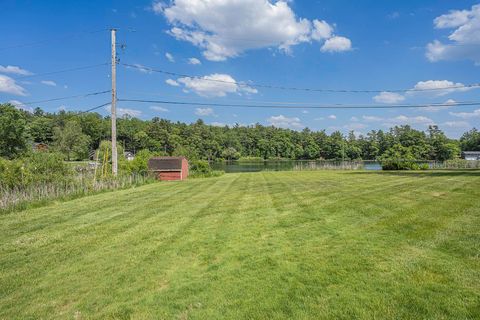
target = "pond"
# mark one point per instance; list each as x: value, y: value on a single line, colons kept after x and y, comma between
x: 294, y: 165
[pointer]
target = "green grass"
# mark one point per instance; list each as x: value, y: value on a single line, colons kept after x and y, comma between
x: 302, y: 245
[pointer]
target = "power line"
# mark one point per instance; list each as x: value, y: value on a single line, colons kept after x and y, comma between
x: 94, y: 108
x: 68, y: 97
x: 35, y: 43
x: 330, y: 106
x: 243, y: 84
x: 64, y: 70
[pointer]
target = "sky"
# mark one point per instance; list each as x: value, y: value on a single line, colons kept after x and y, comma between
x: 235, y: 51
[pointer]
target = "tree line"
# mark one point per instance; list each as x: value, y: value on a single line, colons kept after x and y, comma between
x: 76, y: 135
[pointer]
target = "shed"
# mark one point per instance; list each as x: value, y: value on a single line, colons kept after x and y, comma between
x: 169, y: 168
x: 471, y: 155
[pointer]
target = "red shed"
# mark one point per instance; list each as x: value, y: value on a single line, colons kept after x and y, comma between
x: 169, y: 168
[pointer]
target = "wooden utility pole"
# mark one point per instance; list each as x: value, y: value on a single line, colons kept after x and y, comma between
x: 114, y: 105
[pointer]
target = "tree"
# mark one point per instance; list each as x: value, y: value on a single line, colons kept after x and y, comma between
x: 470, y: 141
x: 71, y: 141
x: 13, y: 131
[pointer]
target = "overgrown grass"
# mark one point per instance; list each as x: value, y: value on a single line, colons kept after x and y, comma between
x: 21, y: 198
x: 268, y: 245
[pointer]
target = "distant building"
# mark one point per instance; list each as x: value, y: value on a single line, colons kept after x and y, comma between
x: 471, y: 155
x: 129, y: 155
x: 169, y: 168
x: 40, y: 147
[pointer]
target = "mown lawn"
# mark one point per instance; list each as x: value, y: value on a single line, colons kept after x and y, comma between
x: 297, y: 245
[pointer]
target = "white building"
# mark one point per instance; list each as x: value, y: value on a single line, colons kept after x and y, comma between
x: 471, y: 155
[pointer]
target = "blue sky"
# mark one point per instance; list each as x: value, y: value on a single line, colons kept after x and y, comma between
x: 366, y: 45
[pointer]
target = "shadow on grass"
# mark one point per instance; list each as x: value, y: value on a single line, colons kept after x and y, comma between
x: 429, y: 173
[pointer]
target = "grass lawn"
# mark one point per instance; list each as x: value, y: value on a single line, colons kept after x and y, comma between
x: 270, y: 245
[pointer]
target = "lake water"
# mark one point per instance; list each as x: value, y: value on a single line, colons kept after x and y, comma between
x: 294, y: 165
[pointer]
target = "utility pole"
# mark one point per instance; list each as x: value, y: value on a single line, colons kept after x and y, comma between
x: 114, y: 105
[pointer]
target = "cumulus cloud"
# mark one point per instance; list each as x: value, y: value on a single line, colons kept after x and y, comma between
x: 355, y: 126
x: 49, y: 83
x: 169, y: 57
x: 172, y: 82
x: 389, y: 97
x: 466, y: 115
x: 215, y: 85
x: 464, y: 39
x: 204, y: 112
x: 337, y: 44
x: 8, y: 85
x: 371, y: 118
x: 158, y: 108
x: 282, y: 121
x: 332, y: 117
x: 226, y: 28
x: 436, y: 87
x: 194, y: 61
x: 15, y: 70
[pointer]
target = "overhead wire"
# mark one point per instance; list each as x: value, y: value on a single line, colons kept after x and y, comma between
x: 328, y: 106
x: 67, y: 97
x: 63, y: 70
x: 257, y: 85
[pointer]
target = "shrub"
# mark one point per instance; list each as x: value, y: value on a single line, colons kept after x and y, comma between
x: 202, y: 169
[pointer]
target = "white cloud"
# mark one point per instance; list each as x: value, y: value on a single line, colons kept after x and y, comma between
x: 322, y: 30
x: 158, y: 108
x: 215, y: 85
x: 371, y: 118
x: 15, y: 70
x: 389, y: 97
x: 130, y: 112
x: 464, y: 39
x: 20, y: 105
x: 332, y: 117
x: 305, y: 111
x: 169, y: 57
x: 355, y: 126
x: 49, y: 83
x: 466, y: 115
x: 204, y: 112
x: 226, y: 28
x: 437, y: 86
x: 194, y: 61
x: 281, y: 121
x: 354, y: 119
x: 141, y: 68
x: 172, y: 82
x: 457, y: 124
x: 400, y: 120
x: 337, y: 44
x: 319, y: 118
x: 447, y: 104
x: 8, y: 85
x: 121, y: 111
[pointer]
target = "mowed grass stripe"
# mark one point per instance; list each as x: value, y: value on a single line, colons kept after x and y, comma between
x: 269, y: 245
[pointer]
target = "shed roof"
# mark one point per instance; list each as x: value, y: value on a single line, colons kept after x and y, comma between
x: 472, y: 152
x: 165, y: 164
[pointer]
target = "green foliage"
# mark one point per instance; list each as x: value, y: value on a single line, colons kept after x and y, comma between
x: 470, y: 141
x: 251, y: 159
x: 71, y: 141
x: 139, y: 165
x: 34, y: 169
x: 200, y: 166
x: 75, y: 134
x: 399, y: 157
x: 13, y: 131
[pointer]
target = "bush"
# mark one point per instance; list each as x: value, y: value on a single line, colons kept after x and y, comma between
x: 251, y: 159
x: 36, y: 168
x: 202, y: 169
